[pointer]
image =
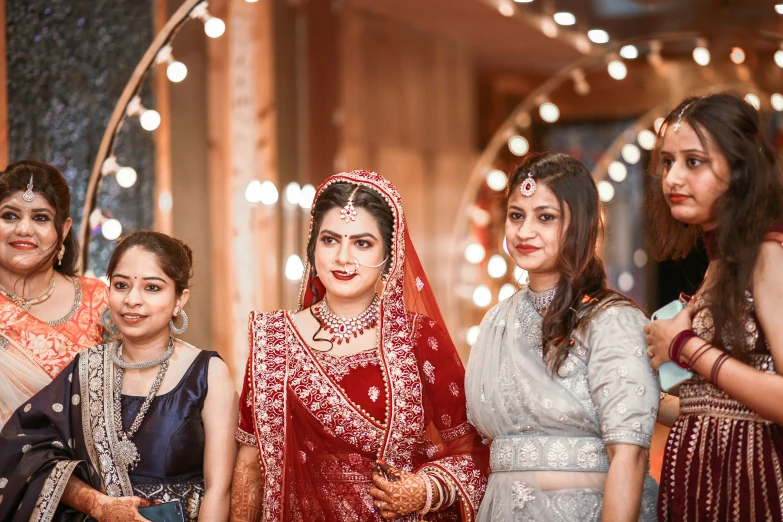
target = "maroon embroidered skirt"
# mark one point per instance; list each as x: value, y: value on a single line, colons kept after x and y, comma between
x: 722, y: 462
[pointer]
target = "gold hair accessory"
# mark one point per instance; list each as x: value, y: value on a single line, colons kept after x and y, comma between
x: 676, y: 126
x: 528, y: 186
x: 348, y: 212
x: 29, y: 195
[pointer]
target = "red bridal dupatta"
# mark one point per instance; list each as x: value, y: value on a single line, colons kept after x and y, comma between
x: 318, y: 436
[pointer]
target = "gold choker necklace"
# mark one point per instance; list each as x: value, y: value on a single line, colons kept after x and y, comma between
x: 26, y: 303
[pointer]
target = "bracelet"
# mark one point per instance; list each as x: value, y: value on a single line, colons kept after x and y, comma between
x: 428, y: 502
x: 441, y: 493
x: 451, y: 493
x: 722, y: 358
x: 678, y: 343
x: 701, y: 350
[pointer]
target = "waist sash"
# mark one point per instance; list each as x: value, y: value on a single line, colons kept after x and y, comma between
x: 541, y: 452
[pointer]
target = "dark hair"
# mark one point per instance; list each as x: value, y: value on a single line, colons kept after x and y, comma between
x: 746, y: 211
x: 582, y: 287
x: 50, y: 183
x: 174, y: 257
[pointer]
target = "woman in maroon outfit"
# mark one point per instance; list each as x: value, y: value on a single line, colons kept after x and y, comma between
x: 719, y: 178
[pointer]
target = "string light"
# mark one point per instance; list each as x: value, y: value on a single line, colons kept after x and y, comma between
x: 149, y: 118
x: 700, y: 54
x: 605, y: 191
x: 629, y: 52
x: 497, y: 180
x: 617, y: 171
x: 753, y: 100
x: 307, y: 196
x: 518, y: 145
x: 631, y: 153
x: 640, y: 258
x: 777, y: 102
x: 564, y: 18
x: 617, y: 70
x: 737, y: 55
x: 506, y: 9
x: 581, y: 86
x: 625, y: 282
x: 292, y: 193
x: 598, y: 36
x: 549, y: 112
x: 482, y: 296
x: 294, y: 268
x: 779, y: 58
x: 658, y: 124
x: 779, y: 8
x: 126, y: 177
x: 506, y: 291
x: 472, y: 335
x: 175, y: 71
x: 549, y: 28
x: 646, y: 139
x: 213, y: 27
x: 497, y: 266
x: 111, y: 229
x: 474, y: 253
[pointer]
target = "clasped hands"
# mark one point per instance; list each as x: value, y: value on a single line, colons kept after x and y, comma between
x: 660, y: 334
x: 396, y: 492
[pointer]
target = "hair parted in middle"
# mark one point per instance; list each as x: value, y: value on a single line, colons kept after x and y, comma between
x: 582, y: 289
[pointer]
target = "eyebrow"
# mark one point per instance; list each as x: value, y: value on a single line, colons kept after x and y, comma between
x: 663, y: 151
x: 542, y: 207
x: 354, y: 236
x: 151, y: 278
x: 41, y: 210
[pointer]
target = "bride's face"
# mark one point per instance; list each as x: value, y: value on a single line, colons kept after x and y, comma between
x: 340, y: 245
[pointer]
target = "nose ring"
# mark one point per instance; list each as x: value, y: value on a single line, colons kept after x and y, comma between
x: 355, y: 267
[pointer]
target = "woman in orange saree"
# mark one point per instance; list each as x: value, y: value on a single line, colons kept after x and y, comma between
x: 372, y: 429
x: 47, y: 313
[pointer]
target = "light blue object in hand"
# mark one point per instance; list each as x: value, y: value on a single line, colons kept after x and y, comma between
x: 670, y: 374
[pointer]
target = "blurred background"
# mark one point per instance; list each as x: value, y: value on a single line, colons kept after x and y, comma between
x: 215, y: 121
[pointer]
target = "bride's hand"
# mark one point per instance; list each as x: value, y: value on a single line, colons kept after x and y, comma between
x: 405, y: 493
x: 121, y: 509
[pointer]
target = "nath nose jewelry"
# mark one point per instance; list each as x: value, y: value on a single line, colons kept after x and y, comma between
x: 356, y: 265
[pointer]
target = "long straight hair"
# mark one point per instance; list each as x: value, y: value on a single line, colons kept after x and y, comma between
x: 582, y: 286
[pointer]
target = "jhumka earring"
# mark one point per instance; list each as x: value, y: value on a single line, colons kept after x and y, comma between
x: 29, y: 195
x: 61, y: 255
x: 676, y: 126
x: 348, y: 212
x: 528, y: 186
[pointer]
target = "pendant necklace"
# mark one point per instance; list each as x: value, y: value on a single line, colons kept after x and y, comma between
x: 344, y: 328
x: 127, y: 454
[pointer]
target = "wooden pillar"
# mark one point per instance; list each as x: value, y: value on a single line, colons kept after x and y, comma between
x: 163, y: 218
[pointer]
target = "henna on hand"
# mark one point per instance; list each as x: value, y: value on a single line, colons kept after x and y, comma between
x: 80, y: 496
x: 122, y: 509
x: 404, y: 494
x: 247, y: 490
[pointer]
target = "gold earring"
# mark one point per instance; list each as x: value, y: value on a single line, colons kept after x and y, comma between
x: 61, y: 255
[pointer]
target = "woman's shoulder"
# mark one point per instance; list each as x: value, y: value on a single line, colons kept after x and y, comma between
x: 619, y: 312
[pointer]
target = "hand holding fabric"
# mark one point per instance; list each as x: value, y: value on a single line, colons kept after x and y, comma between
x: 400, y: 494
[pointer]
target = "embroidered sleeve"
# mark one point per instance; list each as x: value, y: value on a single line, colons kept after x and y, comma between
x: 245, y: 433
x: 622, y: 383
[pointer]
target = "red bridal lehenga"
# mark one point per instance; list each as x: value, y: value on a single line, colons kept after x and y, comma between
x: 320, y: 422
x: 723, y: 462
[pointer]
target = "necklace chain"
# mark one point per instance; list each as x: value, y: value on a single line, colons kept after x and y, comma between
x: 127, y: 453
x: 25, y: 302
x: 541, y: 300
x: 344, y: 328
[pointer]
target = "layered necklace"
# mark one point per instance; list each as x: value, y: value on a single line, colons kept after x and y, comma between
x: 345, y: 328
x: 541, y: 301
x: 25, y: 302
x: 127, y: 454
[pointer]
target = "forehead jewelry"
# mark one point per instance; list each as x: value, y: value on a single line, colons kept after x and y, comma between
x: 348, y: 212
x: 676, y: 126
x: 29, y: 195
x: 528, y: 186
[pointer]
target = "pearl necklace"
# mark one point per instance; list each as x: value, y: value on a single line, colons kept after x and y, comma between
x: 344, y: 328
x: 25, y: 302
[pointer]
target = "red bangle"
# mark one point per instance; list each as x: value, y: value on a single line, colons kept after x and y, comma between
x: 678, y: 343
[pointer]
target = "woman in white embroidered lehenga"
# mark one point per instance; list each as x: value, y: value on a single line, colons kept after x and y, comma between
x: 558, y: 379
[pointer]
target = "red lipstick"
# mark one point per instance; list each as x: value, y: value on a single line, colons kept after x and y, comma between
x: 526, y: 249
x: 343, y: 276
x: 23, y: 245
x: 677, y: 198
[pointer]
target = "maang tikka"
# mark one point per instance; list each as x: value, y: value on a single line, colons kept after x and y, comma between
x: 677, y: 124
x: 29, y: 195
x: 348, y: 212
x: 528, y: 186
